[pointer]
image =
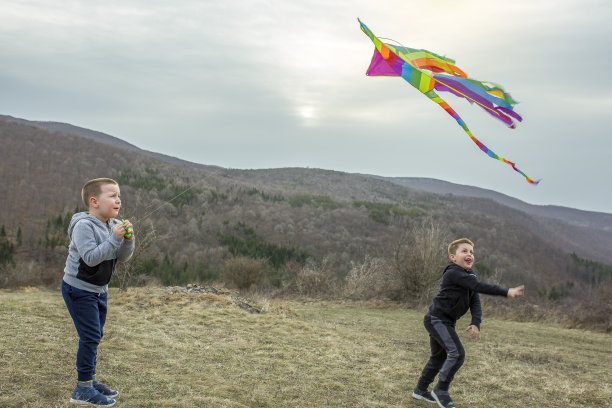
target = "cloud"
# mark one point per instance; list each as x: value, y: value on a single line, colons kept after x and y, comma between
x: 273, y: 83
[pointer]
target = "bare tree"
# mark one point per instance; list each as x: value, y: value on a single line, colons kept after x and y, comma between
x: 125, y: 270
x: 419, y: 257
x: 313, y: 279
x: 372, y: 278
x: 243, y: 272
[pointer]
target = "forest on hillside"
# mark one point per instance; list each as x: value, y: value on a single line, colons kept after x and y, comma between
x: 285, y: 232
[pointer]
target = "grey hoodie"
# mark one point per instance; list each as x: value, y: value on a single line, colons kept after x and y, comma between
x: 93, y: 252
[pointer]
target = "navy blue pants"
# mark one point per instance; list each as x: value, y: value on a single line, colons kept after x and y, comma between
x: 447, y: 353
x: 88, y: 312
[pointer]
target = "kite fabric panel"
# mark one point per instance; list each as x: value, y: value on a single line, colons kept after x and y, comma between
x: 430, y: 72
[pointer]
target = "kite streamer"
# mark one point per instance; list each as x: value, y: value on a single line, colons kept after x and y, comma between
x: 430, y: 72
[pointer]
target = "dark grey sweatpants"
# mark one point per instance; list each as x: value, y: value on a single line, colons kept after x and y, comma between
x: 447, y: 353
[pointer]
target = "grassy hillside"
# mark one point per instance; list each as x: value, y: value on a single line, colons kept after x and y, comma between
x: 163, y: 349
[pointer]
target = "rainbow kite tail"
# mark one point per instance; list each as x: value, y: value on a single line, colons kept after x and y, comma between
x: 434, y: 97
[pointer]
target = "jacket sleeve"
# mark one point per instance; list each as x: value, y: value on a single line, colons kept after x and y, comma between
x: 470, y: 281
x: 476, y: 310
x: 125, y: 250
x: 89, y: 250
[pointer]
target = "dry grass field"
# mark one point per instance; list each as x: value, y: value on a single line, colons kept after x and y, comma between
x: 201, y: 350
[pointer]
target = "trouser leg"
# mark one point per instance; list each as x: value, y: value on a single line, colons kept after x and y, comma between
x: 102, y: 309
x: 447, y: 352
x: 455, y: 353
x: 436, y: 359
x: 88, y: 312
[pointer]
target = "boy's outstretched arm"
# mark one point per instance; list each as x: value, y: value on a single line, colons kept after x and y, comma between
x: 515, y: 292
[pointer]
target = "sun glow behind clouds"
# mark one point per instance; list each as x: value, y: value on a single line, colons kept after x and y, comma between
x: 307, y: 113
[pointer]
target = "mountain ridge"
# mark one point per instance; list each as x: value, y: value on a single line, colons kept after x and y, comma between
x: 578, y: 217
x: 104, y: 138
x: 320, y: 211
x: 574, y: 216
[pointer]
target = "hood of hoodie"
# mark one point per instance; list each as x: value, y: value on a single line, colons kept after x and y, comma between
x: 81, y: 216
x: 452, y: 265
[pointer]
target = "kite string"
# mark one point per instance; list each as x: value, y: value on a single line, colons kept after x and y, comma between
x: 165, y: 202
x: 147, y: 215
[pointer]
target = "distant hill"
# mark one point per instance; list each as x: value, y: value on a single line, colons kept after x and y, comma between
x: 596, y: 220
x: 337, y: 216
x: 592, y: 241
x: 103, y: 138
x: 571, y: 216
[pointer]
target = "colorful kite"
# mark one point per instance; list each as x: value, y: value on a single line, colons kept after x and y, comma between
x: 430, y: 72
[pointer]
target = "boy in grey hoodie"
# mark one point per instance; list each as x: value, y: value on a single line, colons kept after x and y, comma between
x: 97, y: 242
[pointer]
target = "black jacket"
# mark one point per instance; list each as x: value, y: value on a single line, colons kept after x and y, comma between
x: 459, y: 292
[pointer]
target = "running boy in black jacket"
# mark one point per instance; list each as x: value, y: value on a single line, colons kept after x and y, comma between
x: 458, y: 292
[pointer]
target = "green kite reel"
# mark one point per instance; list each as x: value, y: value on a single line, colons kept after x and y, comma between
x: 130, y: 229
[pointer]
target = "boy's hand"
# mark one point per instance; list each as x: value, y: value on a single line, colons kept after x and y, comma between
x: 121, y: 229
x: 514, y: 292
x: 129, y: 230
x: 474, y: 332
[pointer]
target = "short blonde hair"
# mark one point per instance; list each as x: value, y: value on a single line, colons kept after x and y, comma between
x: 93, y: 188
x: 452, y: 247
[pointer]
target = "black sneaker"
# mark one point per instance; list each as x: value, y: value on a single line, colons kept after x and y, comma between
x: 442, y: 398
x: 423, y: 395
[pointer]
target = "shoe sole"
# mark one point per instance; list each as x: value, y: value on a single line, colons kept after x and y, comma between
x: 81, y: 402
x: 420, y: 397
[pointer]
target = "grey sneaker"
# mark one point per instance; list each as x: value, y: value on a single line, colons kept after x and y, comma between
x: 423, y: 395
x: 442, y: 398
x: 104, y: 390
x: 90, y: 396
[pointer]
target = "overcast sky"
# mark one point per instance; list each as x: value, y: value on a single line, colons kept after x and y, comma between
x: 271, y: 83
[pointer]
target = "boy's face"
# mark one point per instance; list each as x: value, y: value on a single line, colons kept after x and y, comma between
x: 107, y: 204
x: 464, y: 256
